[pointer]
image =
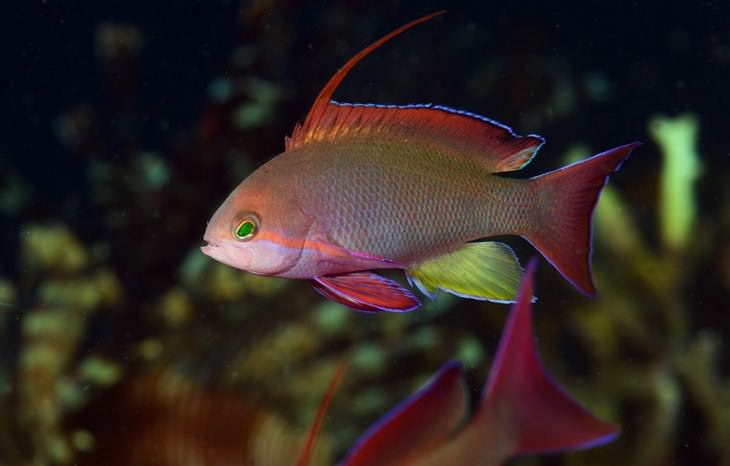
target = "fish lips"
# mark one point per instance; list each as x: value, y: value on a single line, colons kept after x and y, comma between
x: 228, y: 253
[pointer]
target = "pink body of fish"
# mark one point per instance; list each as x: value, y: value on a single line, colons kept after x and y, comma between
x: 367, y: 187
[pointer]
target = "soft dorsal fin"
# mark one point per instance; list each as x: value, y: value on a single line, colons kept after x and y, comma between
x: 491, y: 144
x: 322, y: 102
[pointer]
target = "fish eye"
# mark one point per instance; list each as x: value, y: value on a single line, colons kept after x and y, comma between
x: 246, y: 229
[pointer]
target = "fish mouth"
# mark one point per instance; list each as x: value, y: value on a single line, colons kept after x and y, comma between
x: 211, y: 247
x: 227, y: 253
x: 217, y: 252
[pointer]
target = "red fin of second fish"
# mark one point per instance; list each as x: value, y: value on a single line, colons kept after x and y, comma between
x: 311, y: 441
x: 543, y: 417
x: 523, y: 411
x: 427, y: 418
x: 366, y: 292
x: 562, y: 229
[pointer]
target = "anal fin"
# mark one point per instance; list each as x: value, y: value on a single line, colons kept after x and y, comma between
x: 366, y: 292
x: 487, y: 270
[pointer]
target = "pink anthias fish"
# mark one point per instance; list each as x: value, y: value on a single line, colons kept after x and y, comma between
x: 362, y: 187
x: 522, y: 411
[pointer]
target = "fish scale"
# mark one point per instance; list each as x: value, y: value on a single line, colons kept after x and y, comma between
x: 403, y: 201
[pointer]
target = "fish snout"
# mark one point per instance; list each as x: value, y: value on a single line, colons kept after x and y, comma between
x: 211, y: 247
x: 229, y: 253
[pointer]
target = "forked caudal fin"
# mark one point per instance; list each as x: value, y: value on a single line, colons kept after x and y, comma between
x: 561, y: 230
x: 525, y: 400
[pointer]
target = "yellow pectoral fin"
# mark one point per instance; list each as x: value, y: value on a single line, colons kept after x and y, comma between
x: 487, y: 271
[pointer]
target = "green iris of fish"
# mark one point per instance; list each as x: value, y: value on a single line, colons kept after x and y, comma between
x: 245, y: 229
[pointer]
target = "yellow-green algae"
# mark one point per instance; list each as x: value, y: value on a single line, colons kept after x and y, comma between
x: 681, y: 166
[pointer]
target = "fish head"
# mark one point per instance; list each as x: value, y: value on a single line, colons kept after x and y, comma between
x: 259, y: 228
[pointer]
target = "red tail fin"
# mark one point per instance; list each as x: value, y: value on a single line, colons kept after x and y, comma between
x: 567, y: 196
x: 311, y: 441
x: 525, y: 400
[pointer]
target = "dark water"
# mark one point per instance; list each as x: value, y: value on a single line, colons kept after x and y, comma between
x: 125, y: 125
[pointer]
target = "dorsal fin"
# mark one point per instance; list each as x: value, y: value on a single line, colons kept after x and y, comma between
x: 491, y: 144
x: 311, y: 441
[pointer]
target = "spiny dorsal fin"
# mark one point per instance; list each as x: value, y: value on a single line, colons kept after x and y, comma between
x: 322, y: 102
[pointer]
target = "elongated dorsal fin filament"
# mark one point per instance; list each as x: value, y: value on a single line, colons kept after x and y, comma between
x: 319, y: 107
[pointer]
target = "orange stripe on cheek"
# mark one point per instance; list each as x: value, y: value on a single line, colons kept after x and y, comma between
x: 296, y: 243
x: 281, y: 240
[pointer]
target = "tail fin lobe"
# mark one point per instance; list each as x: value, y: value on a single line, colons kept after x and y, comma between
x: 567, y: 197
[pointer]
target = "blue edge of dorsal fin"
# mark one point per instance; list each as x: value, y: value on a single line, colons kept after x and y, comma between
x: 432, y: 106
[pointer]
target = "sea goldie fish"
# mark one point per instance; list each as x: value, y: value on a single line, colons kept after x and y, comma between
x: 522, y: 411
x: 362, y: 187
